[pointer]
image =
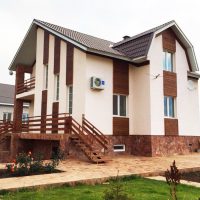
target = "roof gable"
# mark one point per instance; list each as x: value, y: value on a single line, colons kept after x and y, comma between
x: 134, y: 49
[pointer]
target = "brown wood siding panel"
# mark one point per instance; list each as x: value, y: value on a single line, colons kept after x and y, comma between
x: 171, y: 126
x: 120, y: 77
x: 46, y: 48
x: 169, y: 40
x: 120, y: 126
x: 57, y: 55
x: 170, y: 83
x: 55, y: 110
x: 70, y: 62
x: 44, y: 103
x: 43, y: 111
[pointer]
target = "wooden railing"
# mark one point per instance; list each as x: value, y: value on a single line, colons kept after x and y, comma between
x: 91, y: 130
x: 26, y: 85
x: 77, y: 130
x: 57, y: 123
x: 6, y: 127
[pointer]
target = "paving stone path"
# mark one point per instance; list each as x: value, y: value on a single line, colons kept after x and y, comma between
x: 82, y: 171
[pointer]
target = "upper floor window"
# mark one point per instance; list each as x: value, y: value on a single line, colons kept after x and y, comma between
x: 168, y: 61
x: 120, y: 105
x: 57, y: 87
x: 7, y: 116
x: 169, y: 107
x: 46, y: 77
x: 70, y: 99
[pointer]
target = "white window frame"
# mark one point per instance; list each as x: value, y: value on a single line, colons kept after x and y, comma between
x: 165, y: 67
x: 119, y: 150
x: 68, y: 99
x: 6, y: 114
x: 24, y: 119
x: 46, y: 72
x: 118, y: 106
x: 168, y: 107
x: 57, y: 87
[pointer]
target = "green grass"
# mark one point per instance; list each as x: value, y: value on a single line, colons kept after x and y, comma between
x: 138, y: 188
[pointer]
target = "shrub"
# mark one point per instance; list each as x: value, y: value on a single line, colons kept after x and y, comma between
x: 26, y: 164
x: 173, y: 179
x: 116, y: 191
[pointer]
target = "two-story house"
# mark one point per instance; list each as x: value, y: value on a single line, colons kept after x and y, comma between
x: 141, y: 92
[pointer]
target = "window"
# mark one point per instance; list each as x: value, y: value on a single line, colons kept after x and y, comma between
x: 70, y: 99
x: 57, y: 87
x: 119, y: 148
x: 25, y: 117
x: 120, y: 105
x: 7, y: 116
x: 168, y: 61
x: 46, y: 77
x: 169, y: 107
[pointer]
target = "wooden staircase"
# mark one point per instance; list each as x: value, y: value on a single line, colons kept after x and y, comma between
x: 92, y: 143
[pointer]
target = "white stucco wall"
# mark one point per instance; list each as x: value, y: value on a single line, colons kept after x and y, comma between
x: 141, y: 101
x: 51, y: 76
x: 156, y: 87
x: 187, y: 100
x: 79, y: 84
x: 39, y: 72
x: 98, y: 103
x: 63, y: 87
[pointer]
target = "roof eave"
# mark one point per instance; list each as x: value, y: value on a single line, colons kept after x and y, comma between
x: 11, y: 67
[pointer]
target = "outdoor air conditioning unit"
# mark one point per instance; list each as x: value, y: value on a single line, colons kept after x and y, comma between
x: 97, y: 83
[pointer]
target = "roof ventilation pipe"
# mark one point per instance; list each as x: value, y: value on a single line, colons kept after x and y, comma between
x: 126, y: 37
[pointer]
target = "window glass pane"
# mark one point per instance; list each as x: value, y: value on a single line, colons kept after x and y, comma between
x: 171, y: 107
x: 115, y: 105
x: 70, y: 100
x: 4, y: 116
x: 165, y: 106
x: 46, y: 81
x: 57, y: 87
x: 122, y: 105
x: 164, y: 61
x: 169, y: 61
x: 9, y: 116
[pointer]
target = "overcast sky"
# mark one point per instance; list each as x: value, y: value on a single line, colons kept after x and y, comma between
x: 108, y: 19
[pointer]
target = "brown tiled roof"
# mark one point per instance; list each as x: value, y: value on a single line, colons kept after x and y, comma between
x: 138, y: 45
x: 7, y: 93
x: 83, y: 39
x: 133, y: 47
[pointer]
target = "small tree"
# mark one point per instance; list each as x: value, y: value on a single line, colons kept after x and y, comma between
x: 116, y: 191
x: 173, y: 179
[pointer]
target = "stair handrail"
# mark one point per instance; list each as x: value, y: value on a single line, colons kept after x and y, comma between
x: 95, y: 130
x: 80, y: 133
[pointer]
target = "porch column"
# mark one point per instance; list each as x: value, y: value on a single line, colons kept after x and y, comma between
x: 18, y: 103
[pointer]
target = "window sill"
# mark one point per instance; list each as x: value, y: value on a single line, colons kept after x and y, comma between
x: 120, y: 116
x: 170, y: 117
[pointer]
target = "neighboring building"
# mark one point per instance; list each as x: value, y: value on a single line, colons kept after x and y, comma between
x: 141, y: 92
x: 7, y: 93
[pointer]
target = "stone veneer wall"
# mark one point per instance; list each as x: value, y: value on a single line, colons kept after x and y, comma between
x: 147, y: 145
x: 135, y: 145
